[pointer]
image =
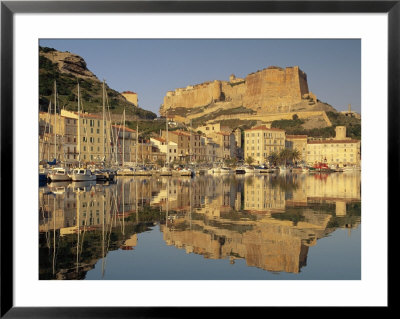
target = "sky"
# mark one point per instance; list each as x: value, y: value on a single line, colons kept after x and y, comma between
x: 151, y: 67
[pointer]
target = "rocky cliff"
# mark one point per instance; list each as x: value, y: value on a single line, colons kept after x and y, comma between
x: 67, y: 69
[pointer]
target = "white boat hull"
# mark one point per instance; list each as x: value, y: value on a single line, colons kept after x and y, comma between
x: 59, y: 177
x: 82, y: 178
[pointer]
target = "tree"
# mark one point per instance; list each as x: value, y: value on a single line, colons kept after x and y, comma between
x: 273, y: 158
x: 249, y: 160
x: 295, y: 155
x: 284, y: 156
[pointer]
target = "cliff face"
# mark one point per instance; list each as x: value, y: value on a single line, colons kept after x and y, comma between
x: 263, y: 91
x: 67, y: 69
x: 69, y: 63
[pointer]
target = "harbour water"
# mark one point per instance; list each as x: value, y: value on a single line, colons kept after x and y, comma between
x: 237, y: 227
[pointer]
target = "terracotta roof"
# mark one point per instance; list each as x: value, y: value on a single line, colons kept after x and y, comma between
x: 262, y: 127
x: 224, y: 133
x: 128, y: 92
x: 180, y: 133
x: 124, y: 128
x: 331, y: 141
x: 86, y: 115
x: 160, y: 139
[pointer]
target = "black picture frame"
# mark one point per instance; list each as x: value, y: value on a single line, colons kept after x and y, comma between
x: 9, y: 8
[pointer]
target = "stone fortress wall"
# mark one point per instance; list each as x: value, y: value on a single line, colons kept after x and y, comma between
x: 263, y: 91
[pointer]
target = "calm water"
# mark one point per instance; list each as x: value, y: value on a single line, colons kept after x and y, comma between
x: 292, y: 226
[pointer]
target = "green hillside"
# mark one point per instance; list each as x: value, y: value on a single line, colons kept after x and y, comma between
x: 294, y: 126
x: 91, y: 91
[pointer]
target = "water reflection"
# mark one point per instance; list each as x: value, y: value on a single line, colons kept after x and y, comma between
x: 269, y: 221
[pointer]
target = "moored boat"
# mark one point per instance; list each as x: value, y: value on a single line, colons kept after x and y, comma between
x: 185, y: 172
x: 245, y: 170
x: 59, y: 174
x: 82, y: 174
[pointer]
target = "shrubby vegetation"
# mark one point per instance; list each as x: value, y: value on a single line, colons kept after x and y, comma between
x: 91, y: 96
x: 294, y: 126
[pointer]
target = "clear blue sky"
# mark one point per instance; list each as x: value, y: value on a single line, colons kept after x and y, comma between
x: 153, y: 67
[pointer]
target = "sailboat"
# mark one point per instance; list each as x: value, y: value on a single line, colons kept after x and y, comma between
x: 166, y: 171
x: 58, y: 173
x: 81, y: 174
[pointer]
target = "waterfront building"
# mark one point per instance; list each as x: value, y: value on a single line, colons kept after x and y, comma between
x: 212, y: 150
x: 123, y: 151
x: 261, y: 141
x: 340, y: 151
x: 161, y: 144
x: 228, y: 139
x: 299, y: 143
x: 90, y: 144
x: 190, y: 146
x: 58, y: 138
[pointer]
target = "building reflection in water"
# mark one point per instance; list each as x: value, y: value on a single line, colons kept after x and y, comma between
x: 269, y: 221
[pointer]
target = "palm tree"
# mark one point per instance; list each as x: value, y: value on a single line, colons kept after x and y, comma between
x: 295, y: 155
x: 284, y: 156
x: 273, y: 158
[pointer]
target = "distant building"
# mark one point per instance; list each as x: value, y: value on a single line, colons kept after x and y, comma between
x: 131, y: 97
x: 350, y: 113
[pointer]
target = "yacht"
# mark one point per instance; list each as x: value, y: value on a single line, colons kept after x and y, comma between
x: 245, y: 170
x: 82, y: 174
x: 262, y: 169
x: 59, y: 174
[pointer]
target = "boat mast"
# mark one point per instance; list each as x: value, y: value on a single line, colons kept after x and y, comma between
x: 55, y: 120
x: 48, y: 137
x: 137, y: 140
x: 123, y: 142
x: 166, y: 138
x: 79, y: 130
x: 191, y: 141
x: 103, y: 126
